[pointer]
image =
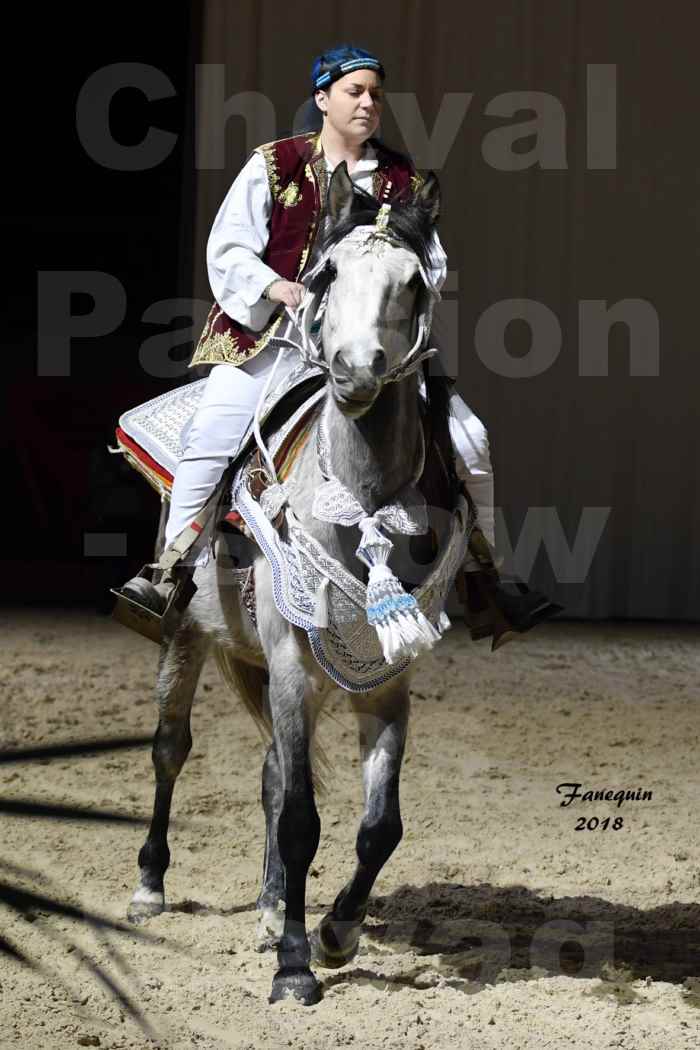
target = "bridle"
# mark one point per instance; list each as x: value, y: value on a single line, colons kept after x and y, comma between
x: 402, y: 628
x: 372, y: 238
x: 367, y: 239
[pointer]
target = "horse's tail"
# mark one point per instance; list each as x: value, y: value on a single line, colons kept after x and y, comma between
x: 249, y: 684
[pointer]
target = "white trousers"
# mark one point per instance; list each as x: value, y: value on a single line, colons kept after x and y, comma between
x: 224, y: 414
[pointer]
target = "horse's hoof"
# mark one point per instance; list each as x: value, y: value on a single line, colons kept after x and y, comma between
x: 145, y: 905
x: 333, y: 943
x: 296, y: 982
x: 270, y: 928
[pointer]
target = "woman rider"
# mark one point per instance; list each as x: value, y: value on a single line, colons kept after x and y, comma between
x: 264, y: 237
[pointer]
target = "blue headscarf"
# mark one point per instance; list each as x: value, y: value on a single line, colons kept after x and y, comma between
x: 333, y: 64
x: 329, y: 67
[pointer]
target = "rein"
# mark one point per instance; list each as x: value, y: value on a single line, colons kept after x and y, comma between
x: 369, y: 238
x: 401, y: 626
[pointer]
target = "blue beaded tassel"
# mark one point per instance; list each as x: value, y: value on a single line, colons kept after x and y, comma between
x: 401, y: 627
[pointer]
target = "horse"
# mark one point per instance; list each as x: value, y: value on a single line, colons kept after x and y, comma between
x: 373, y: 418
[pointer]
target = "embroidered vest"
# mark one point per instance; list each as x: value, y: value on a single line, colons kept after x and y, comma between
x: 298, y: 179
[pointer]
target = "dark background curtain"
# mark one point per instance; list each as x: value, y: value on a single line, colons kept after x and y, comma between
x: 572, y: 452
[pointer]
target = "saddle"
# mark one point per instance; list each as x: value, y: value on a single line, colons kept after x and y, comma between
x: 290, y: 419
x: 152, y: 436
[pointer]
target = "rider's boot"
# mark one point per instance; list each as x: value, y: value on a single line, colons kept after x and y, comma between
x: 147, y: 601
x: 152, y: 593
x: 495, y: 606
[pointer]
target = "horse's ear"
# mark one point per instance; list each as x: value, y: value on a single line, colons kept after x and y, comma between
x: 340, y: 194
x: 428, y: 196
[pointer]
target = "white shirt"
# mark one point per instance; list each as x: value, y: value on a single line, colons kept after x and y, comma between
x: 240, y: 233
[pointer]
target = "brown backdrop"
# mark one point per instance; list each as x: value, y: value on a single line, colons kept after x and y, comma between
x: 559, y: 439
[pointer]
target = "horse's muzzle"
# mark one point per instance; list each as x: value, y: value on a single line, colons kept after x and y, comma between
x: 354, y: 402
x: 355, y: 387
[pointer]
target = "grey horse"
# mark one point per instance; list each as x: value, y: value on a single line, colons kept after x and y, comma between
x: 373, y: 429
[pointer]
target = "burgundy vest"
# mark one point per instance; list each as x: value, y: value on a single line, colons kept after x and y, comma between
x: 296, y: 172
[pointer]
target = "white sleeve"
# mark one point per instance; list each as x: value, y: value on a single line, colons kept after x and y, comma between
x: 238, y: 238
x: 438, y: 269
x: 439, y: 333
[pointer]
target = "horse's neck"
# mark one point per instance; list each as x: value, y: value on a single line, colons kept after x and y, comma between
x: 374, y: 456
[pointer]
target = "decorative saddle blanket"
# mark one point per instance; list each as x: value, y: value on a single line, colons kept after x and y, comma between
x: 152, y: 436
x: 316, y: 592
x: 311, y: 589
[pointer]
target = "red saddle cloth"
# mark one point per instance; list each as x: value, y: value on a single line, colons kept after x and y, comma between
x: 162, y: 480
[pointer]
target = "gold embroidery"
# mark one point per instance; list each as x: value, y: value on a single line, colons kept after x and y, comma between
x: 217, y: 348
x: 377, y: 179
x: 316, y: 150
x: 322, y: 173
x: 268, y: 152
x: 288, y: 138
x: 211, y: 317
x: 267, y: 335
x: 416, y: 182
x: 224, y: 348
x: 305, y: 253
x: 318, y: 164
x: 290, y: 196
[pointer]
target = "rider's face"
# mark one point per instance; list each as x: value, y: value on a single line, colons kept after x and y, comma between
x: 353, y: 104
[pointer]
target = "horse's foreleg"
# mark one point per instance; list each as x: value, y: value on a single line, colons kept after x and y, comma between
x: 298, y: 824
x: 180, y: 666
x: 382, y: 721
x: 270, y: 902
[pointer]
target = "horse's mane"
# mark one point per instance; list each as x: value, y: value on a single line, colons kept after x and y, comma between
x: 409, y: 220
x: 412, y: 224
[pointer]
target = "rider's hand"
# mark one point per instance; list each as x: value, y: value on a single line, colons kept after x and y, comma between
x: 288, y: 292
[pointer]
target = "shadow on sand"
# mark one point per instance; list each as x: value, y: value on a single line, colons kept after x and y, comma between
x: 484, y: 933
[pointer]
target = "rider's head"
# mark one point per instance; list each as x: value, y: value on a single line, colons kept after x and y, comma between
x: 347, y: 88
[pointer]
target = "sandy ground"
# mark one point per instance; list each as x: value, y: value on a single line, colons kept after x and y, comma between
x: 495, y: 924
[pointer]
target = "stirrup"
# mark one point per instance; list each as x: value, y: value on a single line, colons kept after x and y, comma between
x: 147, y: 621
x: 519, y: 612
x: 489, y: 609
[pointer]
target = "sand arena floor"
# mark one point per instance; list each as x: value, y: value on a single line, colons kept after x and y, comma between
x: 496, y: 924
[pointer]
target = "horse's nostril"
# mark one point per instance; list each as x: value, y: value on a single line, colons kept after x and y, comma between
x: 339, y: 368
x: 379, y: 363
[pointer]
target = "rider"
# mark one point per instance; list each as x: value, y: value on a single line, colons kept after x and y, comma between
x: 265, y: 235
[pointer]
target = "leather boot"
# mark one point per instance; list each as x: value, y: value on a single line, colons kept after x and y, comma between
x: 151, y: 595
x: 495, y: 606
x: 156, y: 591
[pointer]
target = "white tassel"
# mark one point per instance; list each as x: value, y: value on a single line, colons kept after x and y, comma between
x: 401, y: 627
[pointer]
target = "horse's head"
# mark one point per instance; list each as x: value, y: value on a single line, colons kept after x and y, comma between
x: 372, y: 279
